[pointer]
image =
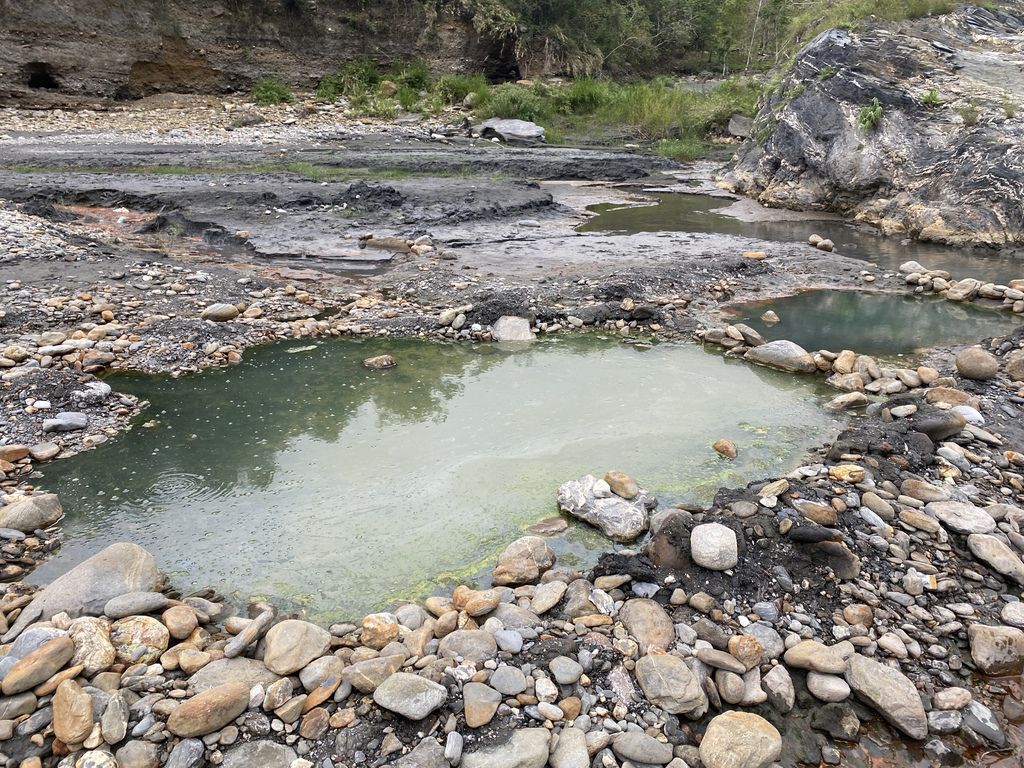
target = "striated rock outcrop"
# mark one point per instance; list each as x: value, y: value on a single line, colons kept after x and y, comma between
x: 943, y: 158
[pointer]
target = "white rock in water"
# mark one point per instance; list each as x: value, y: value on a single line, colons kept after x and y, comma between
x: 511, y: 328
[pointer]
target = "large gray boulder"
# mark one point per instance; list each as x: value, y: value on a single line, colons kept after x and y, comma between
x: 920, y: 170
x: 617, y: 518
x: 86, y: 588
x: 784, y: 355
x: 31, y: 513
x: 518, y: 132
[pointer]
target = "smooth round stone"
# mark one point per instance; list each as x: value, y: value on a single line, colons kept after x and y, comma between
x: 410, y: 695
x: 138, y: 639
x: 976, y: 363
x: 565, y: 670
x: 134, y: 604
x: 481, y: 702
x: 473, y: 645
x: 508, y: 680
x: 735, y: 739
x: 1013, y: 614
x: 294, y: 643
x: 209, y: 711
x: 827, y: 688
x: 714, y: 546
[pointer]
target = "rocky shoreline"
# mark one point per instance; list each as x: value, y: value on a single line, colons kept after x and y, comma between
x: 871, y: 598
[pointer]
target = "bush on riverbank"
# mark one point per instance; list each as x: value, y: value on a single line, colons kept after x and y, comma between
x: 675, y: 119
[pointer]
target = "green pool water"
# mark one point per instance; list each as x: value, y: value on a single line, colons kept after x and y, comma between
x: 672, y: 212
x: 302, y: 476
x: 884, y: 324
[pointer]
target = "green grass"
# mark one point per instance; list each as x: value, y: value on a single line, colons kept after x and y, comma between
x: 453, y: 89
x: 818, y: 15
x: 682, y: 150
x: 267, y: 91
x: 870, y: 116
x: 970, y: 114
x: 932, y: 99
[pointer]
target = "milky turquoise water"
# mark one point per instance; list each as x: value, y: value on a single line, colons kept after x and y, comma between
x: 303, y: 476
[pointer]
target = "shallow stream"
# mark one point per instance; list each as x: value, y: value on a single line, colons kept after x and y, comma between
x: 302, y: 475
x: 671, y: 212
x: 884, y: 324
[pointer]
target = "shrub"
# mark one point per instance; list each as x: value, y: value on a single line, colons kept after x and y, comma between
x: 870, y: 116
x: 267, y: 91
x: 454, y: 89
x: 585, y: 96
x: 681, y: 149
x: 408, y: 97
x: 375, y: 105
x: 969, y: 113
x: 415, y: 74
x: 516, y: 102
x: 329, y: 88
x: 932, y: 98
x: 1009, y: 108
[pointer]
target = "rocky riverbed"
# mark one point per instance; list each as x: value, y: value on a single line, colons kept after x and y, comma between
x: 866, y: 604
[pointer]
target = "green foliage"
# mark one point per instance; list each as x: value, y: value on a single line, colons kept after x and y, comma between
x: 454, y: 89
x: 870, y: 116
x: 827, y: 72
x: 585, y: 96
x: 682, y: 150
x: 267, y: 91
x: 408, y: 97
x: 414, y: 74
x: 516, y: 102
x: 1009, y: 108
x: 970, y: 114
x: 932, y: 99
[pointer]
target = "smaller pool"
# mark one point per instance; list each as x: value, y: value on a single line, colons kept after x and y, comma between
x: 671, y: 212
x: 882, y: 324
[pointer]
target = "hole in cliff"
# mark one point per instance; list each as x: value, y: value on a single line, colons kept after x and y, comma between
x: 39, y: 74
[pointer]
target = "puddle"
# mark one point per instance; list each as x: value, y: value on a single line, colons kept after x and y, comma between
x: 700, y: 213
x: 883, y: 324
x: 303, y: 476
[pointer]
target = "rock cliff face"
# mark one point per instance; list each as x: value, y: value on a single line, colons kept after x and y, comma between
x: 62, y: 50
x: 944, y: 162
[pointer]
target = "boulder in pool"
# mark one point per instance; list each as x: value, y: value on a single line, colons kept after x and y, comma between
x: 511, y: 328
x: 784, y: 355
x: 592, y: 501
x: 86, y: 588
